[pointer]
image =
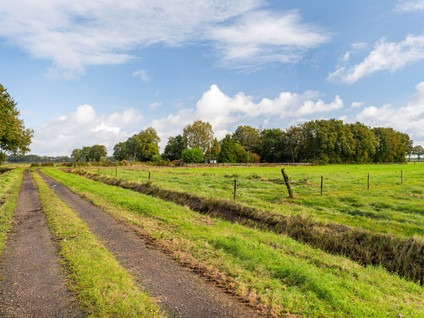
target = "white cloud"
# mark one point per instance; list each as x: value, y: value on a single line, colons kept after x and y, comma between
x: 262, y: 37
x: 79, y: 33
x: 406, y: 6
x: 223, y: 111
x: 409, y: 119
x: 389, y: 56
x: 84, y: 127
x: 356, y: 104
x: 142, y: 74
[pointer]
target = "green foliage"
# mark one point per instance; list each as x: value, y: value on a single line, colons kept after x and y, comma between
x: 14, y: 137
x: 143, y: 146
x: 215, y: 149
x: 248, y: 137
x: 174, y: 148
x: 418, y: 151
x: 119, y: 152
x: 77, y: 155
x: 194, y: 155
x: 156, y: 158
x: 228, y: 152
x: 97, y: 152
x: 198, y: 135
x: 89, y: 154
x: 332, y: 141
x: 392, y: 145
x: 271, y: 147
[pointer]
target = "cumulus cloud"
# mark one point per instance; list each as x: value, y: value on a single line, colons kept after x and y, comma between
x: 84, y: 127
x: 409, y: 119
x: 407, y: 6
x: 389, y: 56
x: 79, y: 33
x: 223, y: 111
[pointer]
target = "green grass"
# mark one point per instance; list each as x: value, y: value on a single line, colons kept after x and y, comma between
x: 10, y: 183
x: 388, y: 207
x: 104, y: 288
x: 280, y: 273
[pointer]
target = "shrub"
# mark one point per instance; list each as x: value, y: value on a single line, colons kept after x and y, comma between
x: 194, y: 155
x: 156, y: 158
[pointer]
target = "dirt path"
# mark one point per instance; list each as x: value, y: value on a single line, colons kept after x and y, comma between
x: 179, y: 291
x: 32, y: 282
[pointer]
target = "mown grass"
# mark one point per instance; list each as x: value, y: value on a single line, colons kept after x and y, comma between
x: 282, y: 274
x: 10, y: 183
x: 104, y: 288
x: 387, y: 207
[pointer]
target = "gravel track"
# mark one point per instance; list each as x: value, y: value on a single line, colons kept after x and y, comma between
x: 179, y: 291
x: 32, y: 280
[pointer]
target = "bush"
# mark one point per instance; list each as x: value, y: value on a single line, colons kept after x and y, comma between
x: 156, y: 158
x: 194, y: 155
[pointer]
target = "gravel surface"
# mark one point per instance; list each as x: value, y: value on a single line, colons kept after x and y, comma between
x: 179, y: 291
x: 32, y: 281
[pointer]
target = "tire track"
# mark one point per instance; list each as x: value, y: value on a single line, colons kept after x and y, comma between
x: 179, y: 291
x: 33, y: 284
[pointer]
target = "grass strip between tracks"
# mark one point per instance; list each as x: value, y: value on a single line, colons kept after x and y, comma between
x: 10, y: 183
x: 274, y: 270
x: 104, y: 288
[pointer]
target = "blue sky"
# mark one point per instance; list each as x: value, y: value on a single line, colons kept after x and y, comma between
x: 96, y: 72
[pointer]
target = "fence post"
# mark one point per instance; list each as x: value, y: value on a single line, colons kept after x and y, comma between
x: 116, y: 171
x: 401, y: 177
x: 149, y: 175
x: 368, y: 180
x: 286, y: 181
x: 235, y: 189
x: 322, y: 183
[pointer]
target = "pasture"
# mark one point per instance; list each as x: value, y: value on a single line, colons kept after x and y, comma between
x: 388, y: 206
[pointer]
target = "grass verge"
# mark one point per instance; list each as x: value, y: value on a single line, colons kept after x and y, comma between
x: 10, y: 182
x: 395, y: 253
x: 285, y: 276
x: 104, y: 288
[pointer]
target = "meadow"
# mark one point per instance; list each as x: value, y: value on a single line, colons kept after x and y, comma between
x: 388, y: 206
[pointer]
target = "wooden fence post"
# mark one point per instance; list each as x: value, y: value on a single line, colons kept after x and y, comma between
x: 401, y: 177
x: 235, y: 189
x: 286, y: 181
x: 368, y: 180
x: 322, y: 183
x: 149, y: 175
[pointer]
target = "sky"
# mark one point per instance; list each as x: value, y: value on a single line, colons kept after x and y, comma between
x: 97, y: 72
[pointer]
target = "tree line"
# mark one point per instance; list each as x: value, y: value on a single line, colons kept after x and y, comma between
x: 317, y: 141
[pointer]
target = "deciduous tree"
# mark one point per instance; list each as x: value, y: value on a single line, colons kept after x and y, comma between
x: 14, y: 137
x: 198, y: 135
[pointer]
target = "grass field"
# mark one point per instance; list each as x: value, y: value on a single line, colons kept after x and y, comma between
x: 278, y: 272
x: 387, y: 207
